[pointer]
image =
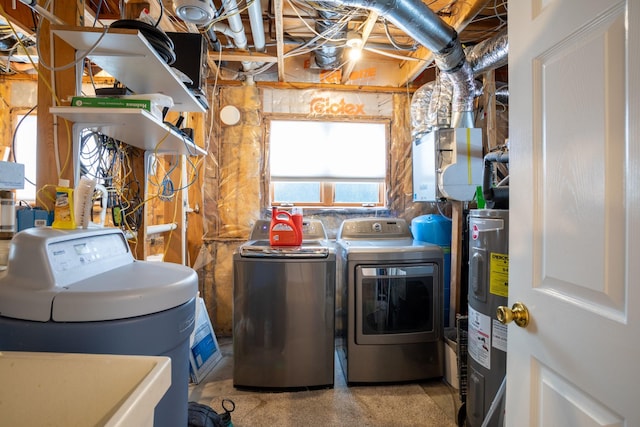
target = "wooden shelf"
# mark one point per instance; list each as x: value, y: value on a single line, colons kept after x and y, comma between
x: 134, y: 126
x: 127, y: 55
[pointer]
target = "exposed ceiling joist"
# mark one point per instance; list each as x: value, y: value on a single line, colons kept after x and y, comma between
x: 391, y: 58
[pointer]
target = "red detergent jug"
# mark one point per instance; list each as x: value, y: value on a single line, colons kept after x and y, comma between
x: 283, y: 230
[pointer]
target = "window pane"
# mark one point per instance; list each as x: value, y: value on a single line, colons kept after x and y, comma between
x: 327, y: 150
x: 296, y: 192
x: 356, y: 192
x: 25, y: 153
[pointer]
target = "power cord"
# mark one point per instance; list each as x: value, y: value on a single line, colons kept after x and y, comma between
x: 162, y: 44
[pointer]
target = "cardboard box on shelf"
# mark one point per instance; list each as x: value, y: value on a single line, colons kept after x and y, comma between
x: 106, y: 102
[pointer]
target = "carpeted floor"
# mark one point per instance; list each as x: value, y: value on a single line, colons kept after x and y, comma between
x: 429, y: 404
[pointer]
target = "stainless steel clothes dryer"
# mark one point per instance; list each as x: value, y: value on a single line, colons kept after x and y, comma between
x: 389, y: 303
x: 283, y: 311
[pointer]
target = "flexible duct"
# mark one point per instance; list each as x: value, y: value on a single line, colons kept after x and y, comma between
x: 419, y: 109
x: 487, y: 55
x: 439, y: 114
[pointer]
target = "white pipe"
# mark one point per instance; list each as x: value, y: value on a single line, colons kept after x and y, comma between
x: 235, y: 23
x: 224, y: 29
x: 161, y: 228
x: 257, y: 25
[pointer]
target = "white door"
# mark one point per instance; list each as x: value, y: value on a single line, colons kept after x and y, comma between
x: 574, y: 245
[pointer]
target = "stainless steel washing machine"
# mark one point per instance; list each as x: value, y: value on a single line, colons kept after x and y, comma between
x: 283, y: 311
x: 389, y: 303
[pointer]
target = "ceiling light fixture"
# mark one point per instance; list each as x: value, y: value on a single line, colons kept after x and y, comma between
x: 199, y: 12
x: 354, y: 41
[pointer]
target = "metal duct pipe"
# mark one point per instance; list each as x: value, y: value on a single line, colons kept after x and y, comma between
x: 487, y: 55
x: 417, y: 20
x: 328, y: 56
x: 502, y: 95
x: 421, y: 23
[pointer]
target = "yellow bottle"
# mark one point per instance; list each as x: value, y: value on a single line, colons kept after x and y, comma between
x: 63, y: 214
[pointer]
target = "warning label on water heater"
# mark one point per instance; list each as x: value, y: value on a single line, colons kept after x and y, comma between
x: 499, y: 274
x: 479, y: 338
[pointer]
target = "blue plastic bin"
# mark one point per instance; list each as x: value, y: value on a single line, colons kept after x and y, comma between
x: 436, y: 229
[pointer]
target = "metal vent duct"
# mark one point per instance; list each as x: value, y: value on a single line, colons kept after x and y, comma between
x: 418, y: 21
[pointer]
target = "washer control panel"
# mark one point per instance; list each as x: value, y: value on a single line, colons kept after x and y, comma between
x: 46, y: 258
x: 84, y: 251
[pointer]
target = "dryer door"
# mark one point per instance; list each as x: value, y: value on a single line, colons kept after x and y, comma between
x: 398, y: 304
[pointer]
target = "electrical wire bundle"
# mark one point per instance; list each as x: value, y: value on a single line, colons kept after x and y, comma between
x: 160, y: 42
x: 108, y: 161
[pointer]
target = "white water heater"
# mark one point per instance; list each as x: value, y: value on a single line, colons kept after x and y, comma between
x: 487, y: 336
x: 447, y: 163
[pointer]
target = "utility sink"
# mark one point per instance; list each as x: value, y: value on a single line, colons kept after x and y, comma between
x: 63, y: 389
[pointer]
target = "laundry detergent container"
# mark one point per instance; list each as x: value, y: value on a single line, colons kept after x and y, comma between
x: 436, y: 229
x: 81, y: 291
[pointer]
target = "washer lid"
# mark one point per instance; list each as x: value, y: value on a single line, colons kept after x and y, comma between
x: 137, y: 289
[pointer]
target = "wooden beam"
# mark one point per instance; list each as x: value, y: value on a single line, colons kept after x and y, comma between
x: 174, y: 212
x: 195, y: 178
x: 456, y: 298
x: 240, y: 56
x: 21, y: 16
x: 55, y: 157
x: 138, y: 244
x: 489, y: 107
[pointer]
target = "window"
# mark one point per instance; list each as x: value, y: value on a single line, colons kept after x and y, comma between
x: 315, y: 163
x: 25, y: 151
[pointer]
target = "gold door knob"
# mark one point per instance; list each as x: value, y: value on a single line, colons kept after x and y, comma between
x: 517, y: 313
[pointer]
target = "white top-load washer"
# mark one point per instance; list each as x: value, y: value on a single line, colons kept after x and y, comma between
x: 81, y: 291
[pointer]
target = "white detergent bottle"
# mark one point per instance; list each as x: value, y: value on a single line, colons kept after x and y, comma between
x: 84, y: 202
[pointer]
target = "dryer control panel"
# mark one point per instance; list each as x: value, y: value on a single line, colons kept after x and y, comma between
x: 374, y: 228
